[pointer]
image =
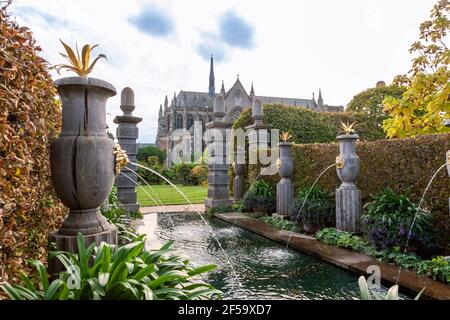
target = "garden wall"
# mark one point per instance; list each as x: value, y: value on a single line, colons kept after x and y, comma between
x: 29, y: 118
x: 405, y: 165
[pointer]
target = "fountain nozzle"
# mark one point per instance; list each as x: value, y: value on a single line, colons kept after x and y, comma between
x: 121, y: 159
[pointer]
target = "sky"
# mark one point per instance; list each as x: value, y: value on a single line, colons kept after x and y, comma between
x: 287, y: 48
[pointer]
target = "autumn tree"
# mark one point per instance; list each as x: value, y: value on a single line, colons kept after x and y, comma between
x: 425, y: 104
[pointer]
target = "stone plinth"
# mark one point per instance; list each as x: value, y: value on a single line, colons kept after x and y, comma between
x: 238, y: 181
x: 348, y: 196
x: 127, y: 135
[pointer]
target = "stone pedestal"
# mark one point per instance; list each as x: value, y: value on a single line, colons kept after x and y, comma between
x: 285, y: 188
x: 348, y: 196
x: 218, y: 179
x: 127, y: 134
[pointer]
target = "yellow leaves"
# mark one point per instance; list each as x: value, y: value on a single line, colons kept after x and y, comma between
x: 17, y: 172
x: 79, y: 64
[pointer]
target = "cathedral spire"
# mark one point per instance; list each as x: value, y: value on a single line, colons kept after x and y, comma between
x: 160, y: 112
x: 166, y: 103
x: 252, y: 93
x: 212, y: 86
x: 222, y: 90
x: 320, y: 99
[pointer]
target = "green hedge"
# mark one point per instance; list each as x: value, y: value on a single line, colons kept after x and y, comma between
x: 400, y: 164
x: 307, y: 126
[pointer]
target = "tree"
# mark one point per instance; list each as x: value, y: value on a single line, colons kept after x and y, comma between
x: 151, y: 151
x: 370, y: 101
x: 426, y: 102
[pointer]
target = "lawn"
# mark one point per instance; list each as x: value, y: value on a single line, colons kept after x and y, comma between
x: 168, y: 195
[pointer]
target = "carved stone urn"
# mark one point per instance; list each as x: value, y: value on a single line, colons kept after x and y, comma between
x: 348, y: 196
x: 82, y: 161
x: 285, y: 187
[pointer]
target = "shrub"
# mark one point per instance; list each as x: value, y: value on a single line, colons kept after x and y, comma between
x: 184, y: 173
x: 200, y: 173
x: 281, y: 223
x: 151, y: 151
x: 260, y: 196
x: 30, y: 117
x: 314, y: 207
x: 387, y: 220
x: 153, y: 163
x: 117, y: 273
x: 437, y: 268
x: 170, y: 174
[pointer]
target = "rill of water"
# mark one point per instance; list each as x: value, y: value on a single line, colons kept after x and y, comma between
x: 210, y: 229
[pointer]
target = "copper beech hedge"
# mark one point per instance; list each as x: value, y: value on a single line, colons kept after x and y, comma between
x: 29, y: 118
x: 401, y: 164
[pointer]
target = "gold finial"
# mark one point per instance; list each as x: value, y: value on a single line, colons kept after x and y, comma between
x: 121, y: 159
x: 348, y: 128
x: 285, y: 136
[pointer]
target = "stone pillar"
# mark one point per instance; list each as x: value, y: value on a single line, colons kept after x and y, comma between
x: 82, y: 164
x: 127, y: 134
x: 258, y: 133
x: 348, y: 196
x: 285, y: 188
x: 238, y: 181
x: 218, y: 179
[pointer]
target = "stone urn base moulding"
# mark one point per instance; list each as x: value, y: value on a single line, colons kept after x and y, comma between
x: 82, y: 162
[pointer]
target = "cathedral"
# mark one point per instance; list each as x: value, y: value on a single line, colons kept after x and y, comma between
x: 190, y: 106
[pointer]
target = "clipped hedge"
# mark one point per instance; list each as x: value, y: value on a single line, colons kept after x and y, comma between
x: 308, y: 126
x: 29, y: 118
x: 400, y: 164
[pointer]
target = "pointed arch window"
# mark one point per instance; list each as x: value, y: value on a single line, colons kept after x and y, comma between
x: 190, y: 121
x: 179, y: 123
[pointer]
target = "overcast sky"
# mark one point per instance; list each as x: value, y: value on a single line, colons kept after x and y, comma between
x: 286, y: 48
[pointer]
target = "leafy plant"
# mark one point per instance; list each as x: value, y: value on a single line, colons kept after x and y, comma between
x: 437, y: 268
x: 281, y: 223
x: 392, y: 294
x: 117, y: 273
x: 387, y: 222
x: 260, y: 196
x: 79, y: 64
x: 313, y: 207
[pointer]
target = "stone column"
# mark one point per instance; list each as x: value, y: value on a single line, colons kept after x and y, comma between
x: 238, y: 181
x: 218, y: 179
x: 285, y: 188
x: 348, y: 196
x: 127, y: 134
x: 258, y: 133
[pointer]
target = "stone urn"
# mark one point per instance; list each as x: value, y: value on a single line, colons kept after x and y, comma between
x: 285, y: 187
x: 347, y: 163
x: 82, y: 161
x: 348, y: 196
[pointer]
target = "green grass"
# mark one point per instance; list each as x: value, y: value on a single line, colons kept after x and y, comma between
x: 169, y: 196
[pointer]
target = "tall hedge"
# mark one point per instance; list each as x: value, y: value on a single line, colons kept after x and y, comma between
x: 29, y: 118
x: 308, y: 126
x: 405, y: 165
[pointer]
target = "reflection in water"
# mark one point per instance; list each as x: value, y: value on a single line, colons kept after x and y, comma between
x: 266, y: 269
